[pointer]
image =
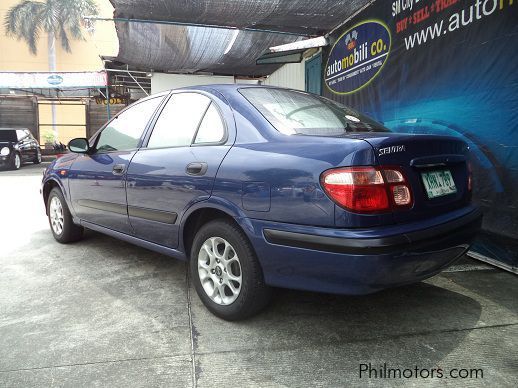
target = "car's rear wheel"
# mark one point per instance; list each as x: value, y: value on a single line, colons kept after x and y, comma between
x: 226, y: 273
x: 16, y: 161
x: 60, y: 219
x: 37, y: 158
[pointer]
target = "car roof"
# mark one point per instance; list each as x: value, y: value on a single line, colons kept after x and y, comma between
x: 13, y: 129
x: 227, y: 89
x: 219, y: 87
x: 235, y: 87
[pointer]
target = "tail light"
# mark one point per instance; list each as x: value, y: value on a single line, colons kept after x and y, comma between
x: 368, y: 189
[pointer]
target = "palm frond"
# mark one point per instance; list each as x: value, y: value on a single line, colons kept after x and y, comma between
x: 73, y: 13
x: 23, y: 21
x: 29, y: 18
x: 76, y: 32
x: 32, y: 34
x: 50, y: 16
x: 13, y: 16
x: 63, y: 37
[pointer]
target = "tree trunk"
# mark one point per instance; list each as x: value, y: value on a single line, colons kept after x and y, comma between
x: 51, y: 42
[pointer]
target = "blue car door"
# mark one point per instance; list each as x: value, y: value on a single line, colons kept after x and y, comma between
x: 177, y: 165
x: 97, y: 180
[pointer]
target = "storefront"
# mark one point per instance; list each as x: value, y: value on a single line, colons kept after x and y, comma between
x: 57, y: 106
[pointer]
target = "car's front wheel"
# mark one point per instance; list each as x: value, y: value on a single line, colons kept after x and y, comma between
x: 16, y: 161
x: 226, y: 273
x: 60, y: 219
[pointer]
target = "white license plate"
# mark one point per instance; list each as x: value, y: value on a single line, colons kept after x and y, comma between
x: 438, y: 183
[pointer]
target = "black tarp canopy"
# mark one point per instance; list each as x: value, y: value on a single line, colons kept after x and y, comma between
x: 205, y: 37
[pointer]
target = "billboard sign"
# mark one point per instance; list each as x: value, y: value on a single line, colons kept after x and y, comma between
x: 357, y: 57
x: 38, y: 80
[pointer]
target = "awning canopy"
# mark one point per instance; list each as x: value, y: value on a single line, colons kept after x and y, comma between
x: 291, y: 56
x: 190, y: 36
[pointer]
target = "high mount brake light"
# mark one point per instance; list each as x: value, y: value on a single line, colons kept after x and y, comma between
x: 368, y: 189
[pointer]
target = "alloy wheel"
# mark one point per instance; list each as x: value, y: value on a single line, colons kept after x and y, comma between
x: 56, y: 215
x: 219, y: 270
x: 17, y: 161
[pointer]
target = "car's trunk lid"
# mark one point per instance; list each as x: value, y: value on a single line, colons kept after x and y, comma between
x: 422, y: 157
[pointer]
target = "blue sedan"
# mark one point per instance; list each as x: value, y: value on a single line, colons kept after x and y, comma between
x: 260, y: 187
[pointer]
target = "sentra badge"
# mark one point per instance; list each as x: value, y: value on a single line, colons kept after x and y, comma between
x: 391, y: 150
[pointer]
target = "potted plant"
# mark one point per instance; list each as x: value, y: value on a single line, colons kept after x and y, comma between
x: 49, y: 138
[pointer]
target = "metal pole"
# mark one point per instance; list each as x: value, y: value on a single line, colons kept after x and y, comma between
x: 223, y: 27
x: 140, y: 86
x: 108, y: 102
x: 52, y: 68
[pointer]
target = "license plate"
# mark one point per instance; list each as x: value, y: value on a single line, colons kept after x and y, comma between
x: 438, y: 183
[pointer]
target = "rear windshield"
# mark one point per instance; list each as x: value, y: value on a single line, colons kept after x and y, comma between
x: 8, y: 135
x: 298, y: 113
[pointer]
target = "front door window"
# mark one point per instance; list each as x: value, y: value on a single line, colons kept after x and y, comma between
x: 123, y: 133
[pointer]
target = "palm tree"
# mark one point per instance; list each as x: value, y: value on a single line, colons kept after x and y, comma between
x: 58, y: 18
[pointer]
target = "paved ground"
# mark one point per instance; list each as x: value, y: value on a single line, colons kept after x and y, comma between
x: 105, y: 313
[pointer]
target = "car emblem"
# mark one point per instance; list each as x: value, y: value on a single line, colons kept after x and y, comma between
x: 391, y: 150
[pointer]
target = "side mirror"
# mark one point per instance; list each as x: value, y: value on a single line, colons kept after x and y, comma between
x: 79, y: 145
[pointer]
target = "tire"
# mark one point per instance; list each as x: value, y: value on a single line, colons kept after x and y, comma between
x: 16, y: 161
x: 60, y: 220
x: 37, y: 159
x: 252, y: 293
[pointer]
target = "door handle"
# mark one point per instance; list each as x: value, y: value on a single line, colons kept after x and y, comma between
x: 196, y: 168
x: 119, y: 169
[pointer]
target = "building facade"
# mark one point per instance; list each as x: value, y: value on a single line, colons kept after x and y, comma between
x: 70, y: 117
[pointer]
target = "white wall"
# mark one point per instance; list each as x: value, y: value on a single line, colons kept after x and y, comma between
x: 291, y: 75
x: 163, y: 81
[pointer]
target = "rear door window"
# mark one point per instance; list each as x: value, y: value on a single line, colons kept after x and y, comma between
x: 212, y: 128
x: 179, y: 120
x: 298, y: 113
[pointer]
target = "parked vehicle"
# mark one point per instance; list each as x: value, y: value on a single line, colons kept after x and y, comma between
x: 260, y: 186
x: 18, y: 146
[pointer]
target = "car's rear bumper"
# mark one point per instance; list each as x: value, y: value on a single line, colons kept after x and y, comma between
x: 355, y: 261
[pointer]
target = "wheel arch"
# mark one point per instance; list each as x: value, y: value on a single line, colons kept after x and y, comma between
x: 206, y: 211
x: 47, y: 188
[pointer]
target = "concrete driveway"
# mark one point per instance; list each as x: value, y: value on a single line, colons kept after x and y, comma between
x: 102, y: 312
